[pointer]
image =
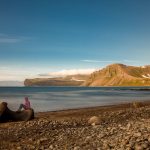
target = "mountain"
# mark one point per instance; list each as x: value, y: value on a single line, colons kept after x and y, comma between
x: 71, y: 80
x: 120, y: 75
x: 11, y: 83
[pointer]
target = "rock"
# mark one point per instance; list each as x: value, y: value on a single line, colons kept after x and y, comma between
x: 76, y: 148
x: 148, y: 139
x: 32, y: 147
x: 88, y: 138
x: 125, y: 142
x: 38, y: 142
x: 51, y: 147
x: 18, y: 147
x: 138, y: 134
x: 128, y: 126
x: 145, y: 145
x: 94, y: 121
x: 106, y: 146
x: 138, y: 147
x: 43, y: 139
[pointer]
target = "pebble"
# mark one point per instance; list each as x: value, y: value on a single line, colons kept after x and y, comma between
x: 123, y: 130
x: 94, y: 120
x: 76, y: 148
x: 138, y: 147
x: 138, y: 134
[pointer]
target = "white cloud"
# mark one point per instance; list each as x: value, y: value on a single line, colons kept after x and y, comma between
x: 4, y: 38
x: 97, y: 61
x: 2, y: 34
x: 68, y: 72
x: 20, y: 74
x: 130, y: 60
x: 108, y: 61
x: 14, y: 74
x: 9, y: 40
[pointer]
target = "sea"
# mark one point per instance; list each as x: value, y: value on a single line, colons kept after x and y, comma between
x: 60, y: 98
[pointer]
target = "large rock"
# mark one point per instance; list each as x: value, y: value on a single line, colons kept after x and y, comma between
x: 94, y: 120
x: 6, y: 114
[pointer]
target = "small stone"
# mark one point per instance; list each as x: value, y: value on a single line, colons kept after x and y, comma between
x: 128, y: 126
x: 87, y: 138
x: 125, y: 142
x: 38, y: 142
x: 131, y: 144
x: 32, y: 147
x: 138, y: 134
x: 30, y: 139
x: 106, y: 146
x: 148, y: 139
x: 42, y: 148
x: 43, y: 139
x: 18, y: 147
x: 138, y: 147
x: 51, y: 147
x: 76, y: 148
x: 93, y: 124
x: 145, y: 145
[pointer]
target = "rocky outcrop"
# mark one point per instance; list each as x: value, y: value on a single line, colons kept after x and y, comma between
x: 112, y: 75
x: 120, y: 75
x: 72, y: 80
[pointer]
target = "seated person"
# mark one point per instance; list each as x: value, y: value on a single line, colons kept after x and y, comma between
x: 26, y: 104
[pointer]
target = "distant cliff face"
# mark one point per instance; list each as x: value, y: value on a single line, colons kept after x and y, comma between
x: 112, y: 75
x: 72, y: 80
x: 120, y: 75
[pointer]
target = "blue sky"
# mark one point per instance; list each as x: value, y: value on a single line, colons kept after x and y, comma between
x: 53, y: 35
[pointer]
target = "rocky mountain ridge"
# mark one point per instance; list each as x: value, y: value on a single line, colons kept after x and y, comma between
x: 71, y: 80
x: 120, y: 75
x: 111, y: 75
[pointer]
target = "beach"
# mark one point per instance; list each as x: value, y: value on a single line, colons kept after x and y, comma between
x: 122, y: 126
x: 74, y: 75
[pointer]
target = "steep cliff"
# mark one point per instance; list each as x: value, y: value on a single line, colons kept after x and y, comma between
x: 120, y: 75
x: 72, y: 80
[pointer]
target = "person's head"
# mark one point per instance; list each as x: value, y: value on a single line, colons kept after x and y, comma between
x: 26, y: 99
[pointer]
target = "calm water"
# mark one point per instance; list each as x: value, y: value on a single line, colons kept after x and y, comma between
x: 58, y: 98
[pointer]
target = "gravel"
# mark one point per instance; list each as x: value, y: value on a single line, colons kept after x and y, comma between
x: 118, y: 130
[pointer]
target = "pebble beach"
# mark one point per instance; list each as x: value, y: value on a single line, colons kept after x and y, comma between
x: 119, y: 127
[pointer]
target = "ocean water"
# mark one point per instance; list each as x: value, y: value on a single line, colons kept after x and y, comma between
x: 60, y: 98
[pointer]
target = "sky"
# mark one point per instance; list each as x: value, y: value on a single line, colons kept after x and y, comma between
x: 66, y: 36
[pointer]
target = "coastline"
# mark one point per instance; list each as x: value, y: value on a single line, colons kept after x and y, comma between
x: 88, y: 111
x: 121, y: 126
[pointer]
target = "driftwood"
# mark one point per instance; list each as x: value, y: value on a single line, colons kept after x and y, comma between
x: 8, y: 115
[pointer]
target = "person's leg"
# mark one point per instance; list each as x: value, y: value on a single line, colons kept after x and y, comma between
x: 20, y: 107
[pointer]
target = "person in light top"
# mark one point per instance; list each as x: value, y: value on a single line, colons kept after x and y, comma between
x: 26, y: 104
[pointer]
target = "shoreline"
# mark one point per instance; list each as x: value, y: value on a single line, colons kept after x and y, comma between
x: 84, y: 110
